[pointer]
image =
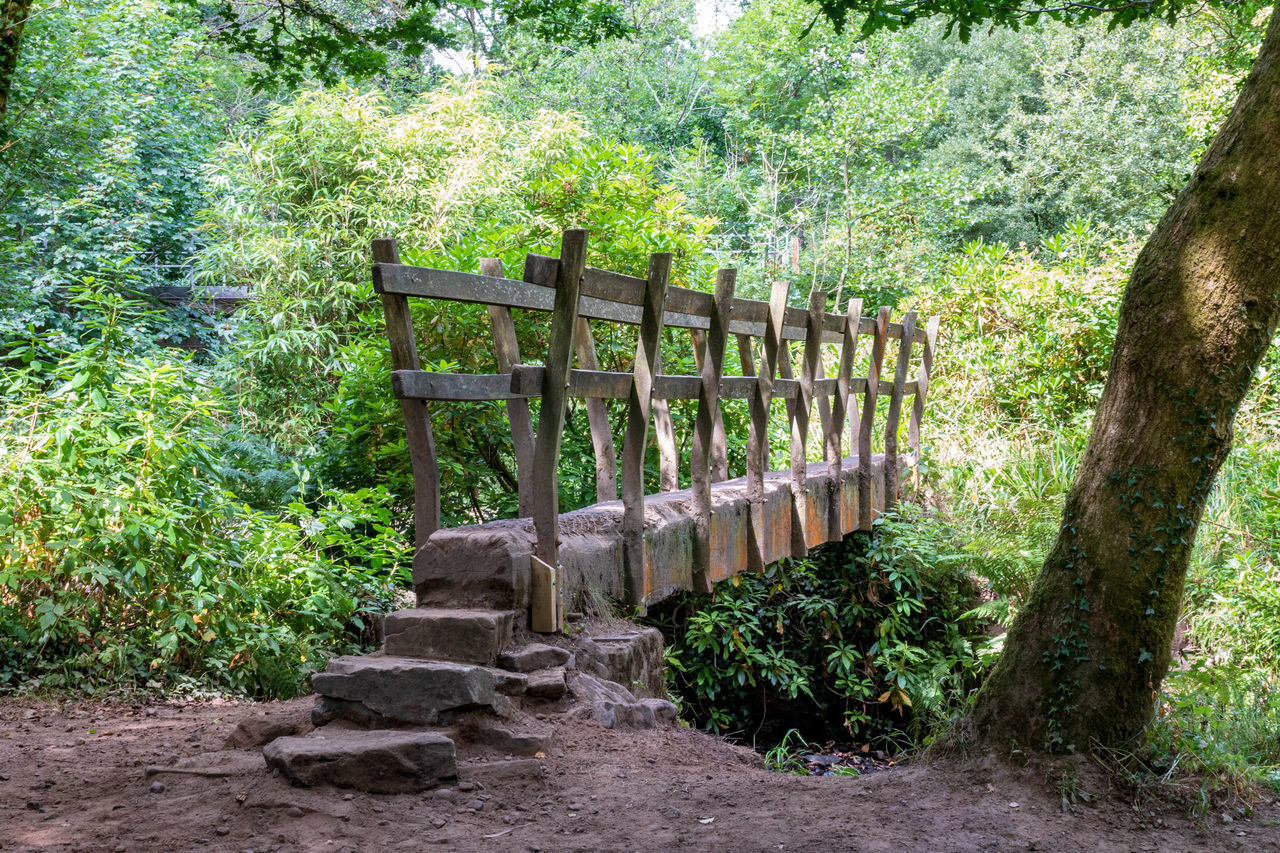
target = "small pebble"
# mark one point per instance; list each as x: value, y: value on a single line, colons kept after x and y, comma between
x: 466, y: 785
x: 222, y: 830
x: 447, y: 794
x: 294, y: 811
x: 575, y: 807
x: 439, y: 822
x: 157, y: 787
x: 348, y: 797
x: 476, y: 804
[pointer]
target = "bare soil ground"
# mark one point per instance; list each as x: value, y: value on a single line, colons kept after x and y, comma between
x: 73, y: 776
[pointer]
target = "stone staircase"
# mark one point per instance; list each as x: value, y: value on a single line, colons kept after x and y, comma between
x: 450, y: 681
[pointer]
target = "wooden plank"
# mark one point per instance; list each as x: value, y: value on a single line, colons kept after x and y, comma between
x: 701, y: 462
x: 664, y: 432
x: 612, y: 286
x: 421, y: 385
x: 639, y: 406
x: 868, y: 416
x: 541, y: 270
x: 758, y: 437
x: 719, y: 460
x: 417, y: 420
x: 506, y: 350
x: 544, y: 597
x: 834, y: 428
x: 892, y: 419
x: 551, y: 414
x: 840, y: 402
x: 802, y: 534
x: 598, y: 420
x: 922, y: 386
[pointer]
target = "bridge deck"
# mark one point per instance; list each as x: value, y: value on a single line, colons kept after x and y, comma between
x: 488, y: 565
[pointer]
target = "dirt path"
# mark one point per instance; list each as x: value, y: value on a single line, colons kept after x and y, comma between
x: 73, y: 777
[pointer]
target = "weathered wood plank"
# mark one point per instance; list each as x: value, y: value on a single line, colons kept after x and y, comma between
x: 878, y: 338
x: 506, y: 351
x: 894, y: 415
x: 758, y: 438
x: 608, y: 300
x: 598, y: 420
x: 551, y: 414
x: 544, y: 597
x: 664, y: 432
x: 704, y: 433
x: 834, y: 428
x: 922, y: 386
x: 421, y: 385
x: 639, y: 406
x: 417, y: 420
x: 848, y: 356
x: 805, y: 531
x: 719, y: 445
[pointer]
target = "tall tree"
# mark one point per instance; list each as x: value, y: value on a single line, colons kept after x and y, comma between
x: 1085, y: 656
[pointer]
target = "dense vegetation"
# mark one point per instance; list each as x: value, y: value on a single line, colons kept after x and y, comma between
x: 194, y: 500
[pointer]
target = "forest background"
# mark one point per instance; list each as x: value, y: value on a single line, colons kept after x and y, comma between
x: 197, y: 502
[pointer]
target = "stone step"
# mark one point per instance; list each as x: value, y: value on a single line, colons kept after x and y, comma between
x: 532, y: 657
x: 380, y: 762
x: 379, y: 690
x: 469, y: 636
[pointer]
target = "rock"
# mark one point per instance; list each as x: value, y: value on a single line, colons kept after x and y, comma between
x: 508, y: 739
x: 624, y: 715
x: 493, y: 772
x: 532, y: 657
x: 469, y: 636
x: 590, y: 689
x: 380, y: 762
x: 157, y: 787
x: 398, y: 689
x: 448, y: 795
x: 259, y: 731
x: 546, y: 684
x: 664, y: 712
x: 477, y: 805
x: 633, y: 659
x: 510, y: 683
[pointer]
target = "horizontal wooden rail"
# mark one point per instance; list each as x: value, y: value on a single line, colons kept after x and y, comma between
x: 607, y: 296
x: 525, y: 381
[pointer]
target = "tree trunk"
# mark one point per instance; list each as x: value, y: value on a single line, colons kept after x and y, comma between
x: 13, y: 17
x: 1085, y: 656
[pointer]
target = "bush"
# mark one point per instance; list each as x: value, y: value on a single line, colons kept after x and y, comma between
x: 865, y: 635
x: 125, y: 559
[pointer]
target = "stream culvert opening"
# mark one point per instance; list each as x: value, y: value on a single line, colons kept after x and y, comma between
x: 861, y: 649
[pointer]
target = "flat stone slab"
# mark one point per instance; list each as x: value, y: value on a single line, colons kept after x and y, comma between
x: 380, y: 762
x: 467, y: 636
x: 406, y: 690
x: 547, y: 684
x: 533, y: 657
x: 633, y: 659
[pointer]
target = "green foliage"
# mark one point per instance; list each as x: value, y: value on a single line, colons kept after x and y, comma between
x: 113, y: 111
x: 864, y: 635
x: 125, y: 559
x: 454, y: 182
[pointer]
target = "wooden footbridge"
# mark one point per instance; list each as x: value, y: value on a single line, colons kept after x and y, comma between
x: 644, y: 547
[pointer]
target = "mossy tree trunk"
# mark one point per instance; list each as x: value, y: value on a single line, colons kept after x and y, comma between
x: 1085, y: 656
x: 13, y: 17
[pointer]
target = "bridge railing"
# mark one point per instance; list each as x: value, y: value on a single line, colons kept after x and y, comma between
x: 574, y: 295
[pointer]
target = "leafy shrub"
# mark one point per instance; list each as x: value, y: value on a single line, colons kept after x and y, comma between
x: 864, y: 635
x: 124, y: 559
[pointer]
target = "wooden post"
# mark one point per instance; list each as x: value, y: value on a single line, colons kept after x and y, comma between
x: 639, y: 405
x: 546, y: 451
x: 719, y: 460
x: 922, y: 387
x: 868, y: 415
x: 598, y: 419
x: 891, y: 473
x: 801, y: 411
x: 840, y: 410
x: 507, y: 350
x: 664, y: 432
x: 417, y: 421
x: 758, y: 438
x: 705, y: 440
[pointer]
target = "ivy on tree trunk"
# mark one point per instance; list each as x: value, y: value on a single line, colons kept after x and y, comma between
x: 1085, y: 656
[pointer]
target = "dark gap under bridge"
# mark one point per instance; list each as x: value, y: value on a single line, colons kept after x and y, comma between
x: 643, y: 548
